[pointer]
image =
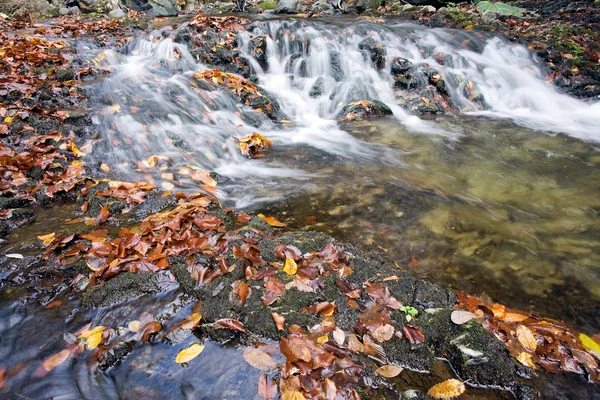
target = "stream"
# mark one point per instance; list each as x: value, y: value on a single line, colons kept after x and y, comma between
x: 500, y: 201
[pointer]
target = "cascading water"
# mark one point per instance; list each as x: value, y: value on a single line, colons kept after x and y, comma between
x: 153, y: 108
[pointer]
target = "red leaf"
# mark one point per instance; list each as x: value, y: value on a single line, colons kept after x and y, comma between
x: 413, y: 334
x: 230, y: 324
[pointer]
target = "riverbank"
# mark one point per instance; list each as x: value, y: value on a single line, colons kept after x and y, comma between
x: 112, y: 243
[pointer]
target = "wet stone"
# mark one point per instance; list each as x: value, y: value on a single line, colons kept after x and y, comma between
x: 317, y: 89
x: 362, y: 109
x: 374, y: 51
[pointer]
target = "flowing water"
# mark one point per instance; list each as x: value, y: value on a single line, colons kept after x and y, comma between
x: 502, y: 203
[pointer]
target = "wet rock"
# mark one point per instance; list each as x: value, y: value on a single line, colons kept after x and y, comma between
x: 63, y: 75
x: 113, y: 356
x: 18, y: 218
x: 63, y: 11
x: 163, y: 8
x: 317, y: 89
x: 297, y: 66
x: 428, y: 9
x: 365, y: 5
x: 405, y: 75
x: 258, y: 49
x: 475, y: 96
x: 335, y: 66
x: 373, y: 50
x: 423, y: 101
x: 123, y: 287
x: 74, y: 10
x: 362, y: 109
x: 287, y: 7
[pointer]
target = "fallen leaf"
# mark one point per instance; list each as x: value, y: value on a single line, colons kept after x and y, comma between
x: 339, y: 336
x: 525, y: 359
x: 52, y: 362
x: 134, y: 326
x: 76, y: 151
x: 14, y: 255
x: 526, y: 338
x: 388, y: 371
x: 93, y: 337
x: 189, y: 354
x: 290, y: 266
x: 231, y: 324
x: 447, y: 390
x: 259, y: 359
x: 47, y: 239
x: 383, y: 333
x: 279, y: 321
x: 191, y: 321
x: 267, y: 388
x: 413, y: 334
x: 590, y: 344
x: 460, y: 317
x: 272, y: 221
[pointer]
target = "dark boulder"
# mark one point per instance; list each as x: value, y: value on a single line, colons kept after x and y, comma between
x: 374, y: 51
x: 362, y: 109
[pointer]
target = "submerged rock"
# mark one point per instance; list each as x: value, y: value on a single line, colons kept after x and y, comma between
x: 373, y: 50
x: 317, y: 89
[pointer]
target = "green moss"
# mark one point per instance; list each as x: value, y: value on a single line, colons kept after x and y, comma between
x: 268, y: 5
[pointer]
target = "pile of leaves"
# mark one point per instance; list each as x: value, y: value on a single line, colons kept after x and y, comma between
x: 534, y: 341
x: 251, y: 145
x: 226, y: 25
x: 231, y: 82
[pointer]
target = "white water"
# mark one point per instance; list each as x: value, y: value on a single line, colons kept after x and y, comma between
x: 153, y: 110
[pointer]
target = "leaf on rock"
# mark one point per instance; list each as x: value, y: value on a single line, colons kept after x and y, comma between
x: 526, y: 337
x: 259, y: 359
x: 290, y: 266
x: 231, y: 324
x: 267, y: 388
x: 279, y: 321
x: 388, y: 371
x: 460, y: 317
x: 189, y: 354
x: 272, y: 221
x: 47, y: 239
x: 339, y: 336
x: 590, y: 344
x: 413, y: 334
x: 93, y: 337
x: 447, y: 390
x: 525, y: 359
x: 383, y: 333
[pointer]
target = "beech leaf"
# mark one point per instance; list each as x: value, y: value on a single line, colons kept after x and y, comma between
x: 388, y: 371
x: 259, y: 359
x: 447, y: 390
x: 189, y: 354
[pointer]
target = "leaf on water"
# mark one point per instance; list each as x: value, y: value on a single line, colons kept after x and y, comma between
x: 231, y: 324
x: 93, y: 337
x: 388, y: 371
x: 134, y: 326
x: 447, y: 390
x: 460, y: 317
x: 189, y: 354
x: 272, y: 221
x: 259, y: 359
x: 14, y: 255
x: 52, y: 362
x: 279, y: 321
x: 267, y: 388
x: 339, y: 336
x: 590, y: 344
x: 76, y: 151
x: 47, y: 239
x: 290, y: 266
x: 526, y: 337
x: 525, y: 359
x: 191, y: 321
x: 167, y: 185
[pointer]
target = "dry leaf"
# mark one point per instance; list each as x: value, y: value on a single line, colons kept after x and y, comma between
x: 355, y: 345
x: 191, y: 321
x: 267, y: 388
x: 525, y: 359
x: 259, y: 359
x: 447, y: 389
x: 460, y: 317
x: 383, y: 333
x: 279, y: 321
x: 339, y: 336
x: 290, y: 266
x: 189, y: 354
x: 388, y: 371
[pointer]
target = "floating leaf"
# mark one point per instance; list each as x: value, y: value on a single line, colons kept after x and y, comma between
x: 189, y: 354
x: 460, y: 317
x: 134, y: 326
x: 52, y: 362
x: 388, y: 371
x: 447, y: 389
x: 290, y: 266
x: 93, y: 337
x: 259, y: 359
x: 47, y: 239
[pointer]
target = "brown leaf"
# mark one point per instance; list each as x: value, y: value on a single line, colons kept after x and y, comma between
x: 413, y: 334
x: 52, y: 362
x: 383, y: 333
x: 102, y: 216
x: 231, y: 324
x: 273, y: 290
x: 374, y: 349
x: 388, y: 371
x: 526, y: 337
x: 267, y: 388
x: 279, y: 321
x: 272, y: 221
x: 259, y: 359
x: 447, y: 390
x: 355, y: 345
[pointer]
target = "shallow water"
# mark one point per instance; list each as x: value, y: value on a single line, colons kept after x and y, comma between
x: 502, y: 203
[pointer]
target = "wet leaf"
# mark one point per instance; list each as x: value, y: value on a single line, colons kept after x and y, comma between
x: 526, y: 338
x: 388, y: 371
x: 413, y: 334
x: 525, y: 359
x: 14, y: 255
x: 267, y: 388
x: 383, y: 333
x: 590, y: 344
x: 272, y: 221
x: 105, y: 168
x: 191, y: 321
x: 189, y: 354
x: 134, y: 326
x: 290, y: 266
x: 339, y: 336
x: 47, y: 239
x: 52, y: 362
x: 259, y: 359
x: 93, y: 337
x: 460, y: 317
x: 231, y: 324
x: 447, y: 390
x: 279, y: 321
x: 76, y: 151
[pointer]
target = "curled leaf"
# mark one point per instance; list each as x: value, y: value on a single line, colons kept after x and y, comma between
x: 279, y: 321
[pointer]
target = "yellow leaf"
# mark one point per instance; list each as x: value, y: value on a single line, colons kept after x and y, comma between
x: 76, y: 151
x: 292, y: 395
x: 590, y: 344
x: 189, y: 354
x: 447, y: 390
x: 323, y: 339
x: 290, y: 266
x: 47, y: 239
x: 388, y: 371
x: 526, y: 338
x: 525, y: 359
x: 93, y: 337
x: 259, y: 359
x: 167, y: 186
x: 191, y: 321
x: 105, y: 168
x: 8, y: 120
x: 115, y: 108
